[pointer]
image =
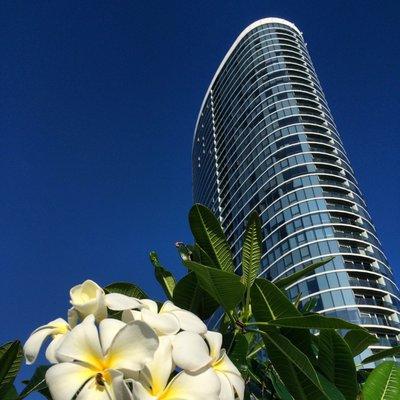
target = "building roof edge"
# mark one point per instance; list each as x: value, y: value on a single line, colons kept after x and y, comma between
x: 249, y: 28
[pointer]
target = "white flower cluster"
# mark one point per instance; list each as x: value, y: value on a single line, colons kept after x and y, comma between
x: 152, y: 353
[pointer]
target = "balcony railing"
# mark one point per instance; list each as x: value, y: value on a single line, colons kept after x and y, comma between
x: 348, y: 221
x: 373, y: 302
x: 387, y: 342
x: 340, y: 207
x: 367, y: 283
x: 379, y: 321
x: 351, y: 235
x: 337, y: 194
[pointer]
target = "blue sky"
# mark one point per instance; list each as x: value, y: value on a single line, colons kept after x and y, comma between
x: 97, y: 109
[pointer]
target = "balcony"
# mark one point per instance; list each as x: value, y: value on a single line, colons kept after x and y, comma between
x: 340, y: 207
x: 329, y: 160
x: 350, y: 235
x: 337, y: 194
x: 347, y: 221
x: 374, y: 302
x: 324, y: 180
x: 332, y: 171
x: 364, y: 267
x: 379, y: 321
x: 387, y: 342
x: 367, y: 283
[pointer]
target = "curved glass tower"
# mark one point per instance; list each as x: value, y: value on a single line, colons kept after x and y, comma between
x: 265, y: 140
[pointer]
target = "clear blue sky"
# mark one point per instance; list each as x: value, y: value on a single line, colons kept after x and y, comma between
x: 97, y: 108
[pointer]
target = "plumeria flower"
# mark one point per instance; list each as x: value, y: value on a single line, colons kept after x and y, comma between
x: 57, y: 330
x: 190, y: 352
x: 89, y: 298
x: 169, y: 320
x: 153, y: 384
x: 101, y: 357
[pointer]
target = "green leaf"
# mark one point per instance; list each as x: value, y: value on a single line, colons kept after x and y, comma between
x: 10, y: 362
x: 293, y: 366
x: 289, y: 280
x: 314, y: 321
x: 237, y: 350
x: 163, y: 276
x: 252, y: 250
x: 201, y: 257
x: 279, y: 387
x: 330, y: 389
x: 269, y: 303
x: 224, y: 287
x: 190, y: 296
x: 37, y: 383
x: 11, y: 394
x: 335, y: 361
x: 309, y: 306
x: 359, y: 340
x: 209, y: 235
x: 126, y: 288
x: 383, y: 383
x: 394, y: 351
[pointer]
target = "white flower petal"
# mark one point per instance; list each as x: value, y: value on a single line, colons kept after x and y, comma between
x: 65, y: 379
x: 163, y: 324
x: 225, y: 365
x: 131, y: 315
x: 227, y: 392
x: 187, y: 320
x: 161, y: 366
x: 214, y: 340
x: 89, y: 298
x: 82, y: 343
x: 203, y: 386
x: 93, y: 391
x: 190, y: 322
x: 34, y: 343
x: 237, y: 382
x: 73, y: 317
x: 150, y: 305
x: 119, y: 387
x: 133, y: 346
x: 108, y: 328
x: 120, y: 302
x: 53, y: 347
x: 117, y: 390
x: 39, y: 335
x: 190, y: 351
x: 140, y: 393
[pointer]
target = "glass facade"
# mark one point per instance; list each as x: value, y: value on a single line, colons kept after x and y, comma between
x: 265, y: 140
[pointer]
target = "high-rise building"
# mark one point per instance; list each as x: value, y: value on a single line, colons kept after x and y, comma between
x: 265, y: 140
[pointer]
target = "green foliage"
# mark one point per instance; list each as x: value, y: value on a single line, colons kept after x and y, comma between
x: 394, y: 351
x: 11, y: 394
x: 335, y: 361
x: 210, y: 237
x: 283, y: 349
x: 189, y: 295
x: 270, y: 303
x: 359, y: 340
x: 10, y: 363
x: 252, y: 250
x: 129, y: 289
x: 163, y: 276
x: 37, y: 383
x: 289, y: 280
x: 383, y: 383
x: 314, y: 321
x: 225, y: 287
